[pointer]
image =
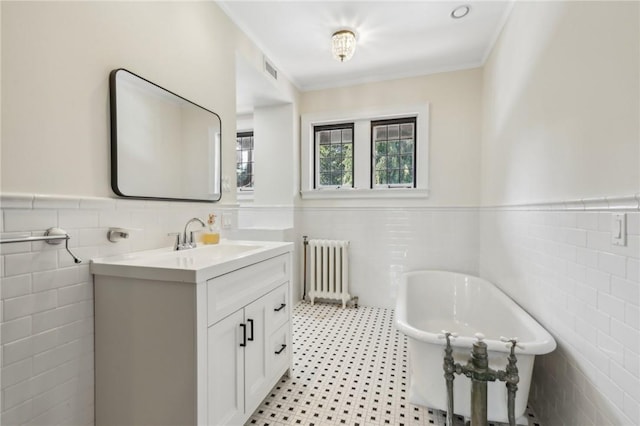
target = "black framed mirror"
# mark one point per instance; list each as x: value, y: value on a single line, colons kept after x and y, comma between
x: 163, y: 146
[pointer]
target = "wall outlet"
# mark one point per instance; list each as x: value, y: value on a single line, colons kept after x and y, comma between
x: 619, y: 229
x: 226, y: 220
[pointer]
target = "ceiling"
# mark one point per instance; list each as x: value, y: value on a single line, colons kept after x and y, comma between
x: 395, y: 39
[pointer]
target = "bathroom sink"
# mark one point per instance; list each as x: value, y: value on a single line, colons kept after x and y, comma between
x: 190, y: 265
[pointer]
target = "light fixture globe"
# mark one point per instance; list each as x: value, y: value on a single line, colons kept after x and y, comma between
x: 343, y: 44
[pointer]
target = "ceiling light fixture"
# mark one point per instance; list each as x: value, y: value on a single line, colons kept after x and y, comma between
x: 343, y: 44
x: 460, y: 12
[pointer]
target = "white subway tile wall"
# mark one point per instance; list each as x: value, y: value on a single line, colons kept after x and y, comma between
x: 46, y: 332
x: 562, y: 268
x: 385, y: 242
x: 559, y: 265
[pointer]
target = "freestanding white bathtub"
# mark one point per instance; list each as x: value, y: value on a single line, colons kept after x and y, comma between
x: 432, y: 301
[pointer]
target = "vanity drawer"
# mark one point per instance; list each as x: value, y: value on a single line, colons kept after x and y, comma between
x: 278, y: 307
x: 230, y: 292
x: 279, y: 351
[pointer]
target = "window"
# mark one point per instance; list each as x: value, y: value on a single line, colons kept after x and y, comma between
x: 333, y: 155
x: 244, y: 161
x: 370, y: 153
x: 393, y: 153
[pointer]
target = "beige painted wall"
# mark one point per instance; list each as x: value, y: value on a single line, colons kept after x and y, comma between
x: 560, y: 103
x: 56, y: 58
x: 275, y: 157
x: 454, y: 108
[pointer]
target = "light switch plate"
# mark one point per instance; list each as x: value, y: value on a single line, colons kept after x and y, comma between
x: 619, y: 229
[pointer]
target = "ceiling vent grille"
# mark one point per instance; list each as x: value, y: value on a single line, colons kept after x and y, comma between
x: 270, y: 69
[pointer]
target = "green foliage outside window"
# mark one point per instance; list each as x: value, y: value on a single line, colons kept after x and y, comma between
x: 335, y: 155
x: 394, y: 148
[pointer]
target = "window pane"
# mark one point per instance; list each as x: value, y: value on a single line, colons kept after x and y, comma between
x: 334, y: 148
x: 347, y: 135
x: 325, y: 178
x: 406, y: 131
x: 380, y: 133
x: 394, y: 162
x: 244, y: 160
x: 393, y: 131
x: 406, y: 146
x: 393, y: 151
x: 347, y: 179
x: 394, y: 148
x: 325, y: 136
x: 336, y: 136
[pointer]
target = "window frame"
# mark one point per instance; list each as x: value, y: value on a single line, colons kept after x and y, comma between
x: 244, y: 134
x: 389, y: 122
x: 362, y: 150
x: 316, y: 153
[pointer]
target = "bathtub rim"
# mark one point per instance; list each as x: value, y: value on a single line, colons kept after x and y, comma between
x: 544, y: 343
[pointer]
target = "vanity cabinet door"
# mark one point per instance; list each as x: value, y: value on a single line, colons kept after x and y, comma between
x: 226, y: 371
x: 255, y: 367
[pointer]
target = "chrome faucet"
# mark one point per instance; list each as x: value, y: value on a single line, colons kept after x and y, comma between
x: 184, y: 243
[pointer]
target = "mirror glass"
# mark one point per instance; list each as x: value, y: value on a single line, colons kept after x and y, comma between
x: 162, y: 145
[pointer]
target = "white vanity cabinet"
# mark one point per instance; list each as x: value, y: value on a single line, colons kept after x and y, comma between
x: 198, y: 347
x: 248, y: 352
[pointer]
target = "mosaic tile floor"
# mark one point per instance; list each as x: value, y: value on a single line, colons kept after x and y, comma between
x: 350, y: 368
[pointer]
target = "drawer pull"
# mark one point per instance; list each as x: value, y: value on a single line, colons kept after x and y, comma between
x: 250, y: 321
x: 244, y: 335
x: 282, y: 305
x: 278, y: 352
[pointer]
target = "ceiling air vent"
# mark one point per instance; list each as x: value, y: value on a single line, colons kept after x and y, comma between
x: 270, y: 69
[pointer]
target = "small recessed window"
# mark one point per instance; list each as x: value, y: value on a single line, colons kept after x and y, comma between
x: 333, y: 146
x: 244, y: 161
x: 393, y: 153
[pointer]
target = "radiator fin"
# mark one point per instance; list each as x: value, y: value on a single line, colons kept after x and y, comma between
x: 329, y: 276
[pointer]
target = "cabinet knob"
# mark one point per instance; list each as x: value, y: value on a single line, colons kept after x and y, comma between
x: 282, y: 305
x: 278, y: 352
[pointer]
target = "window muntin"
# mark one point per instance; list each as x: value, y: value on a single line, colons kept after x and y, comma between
x: 333, y: 147
x: 244, y: 161
x: 393, y: 153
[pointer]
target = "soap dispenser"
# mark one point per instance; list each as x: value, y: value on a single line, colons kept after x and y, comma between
x: 212, y: 235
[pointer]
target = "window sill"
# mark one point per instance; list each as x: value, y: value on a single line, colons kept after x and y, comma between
x: 244, y: 196
x: 353, y: 194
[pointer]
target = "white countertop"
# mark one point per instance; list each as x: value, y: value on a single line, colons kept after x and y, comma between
x: 193, y: 265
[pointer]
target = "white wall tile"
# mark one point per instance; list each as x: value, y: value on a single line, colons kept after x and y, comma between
x: 629, y: 383
x: 17, y: 264
x: 78, y: 219
x: 611, y: 305
x: 75, y: 293
x: 623, y: 333
x: 633, y: 270
x: 632, y: 316
x: 54, y: 279
x: 613, y: 264
x: 15, y: 286
x: 632, y: 362
x: 18, y: 415
x: 29, y: 220
x: 14, y: 330
x: 48, y: 202
x: 628, y: 291
x: 16, y: 372
x: 44, y: 341
x: 16, y: 394
x: 587, y: 220
x: 17, y: 351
